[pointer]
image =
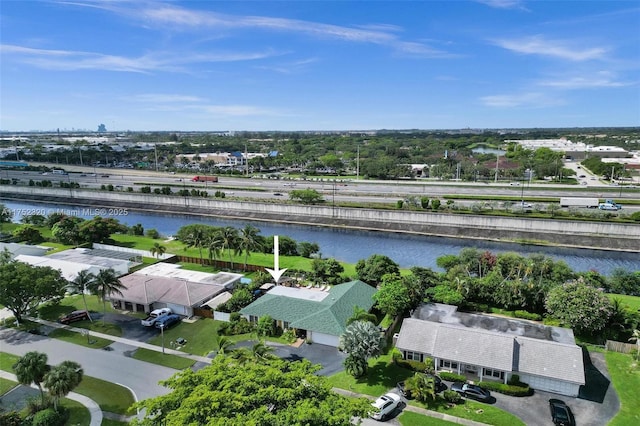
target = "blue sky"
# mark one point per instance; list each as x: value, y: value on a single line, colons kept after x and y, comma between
x: 318, y: 65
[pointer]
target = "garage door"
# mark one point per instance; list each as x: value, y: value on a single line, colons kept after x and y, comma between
x: 551, y: 385
x: 324, y: 339
x: 177, y: 309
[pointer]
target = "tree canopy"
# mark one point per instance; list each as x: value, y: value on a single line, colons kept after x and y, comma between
x: 23, y: 287
x: 583, y: 308
x: 268, y: 392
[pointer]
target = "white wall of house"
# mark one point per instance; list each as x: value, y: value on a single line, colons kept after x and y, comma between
x: 180, y: 309
x: 323, y: 339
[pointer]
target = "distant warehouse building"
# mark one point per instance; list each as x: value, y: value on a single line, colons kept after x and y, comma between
x: 573, y: 150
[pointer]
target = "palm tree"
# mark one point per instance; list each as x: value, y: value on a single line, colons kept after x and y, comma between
x: 213, y: 244
x: 224, y: 343
x: 196, y: 239
x: 62, y: 379
x: 261, y: 351
x: 249, y: 241
x: 229, y: 237
x: 157, y: 250
x: 106, y: 284
x: 360, y: 314
x: 31, y: 368
x: 82, y: 284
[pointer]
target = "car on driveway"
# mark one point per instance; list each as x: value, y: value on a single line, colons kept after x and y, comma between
x: 74, y: 316
x: 154, y: 316
x: 472, y: 391
x: 384, y: 406
x: 407, y: 393
x: 167, y: 321
x: 561, y: 413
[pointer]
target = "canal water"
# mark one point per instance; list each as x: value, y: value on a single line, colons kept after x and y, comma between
x: 349, y: 245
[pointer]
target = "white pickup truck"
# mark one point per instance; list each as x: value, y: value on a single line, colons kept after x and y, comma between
x: 154, y: 315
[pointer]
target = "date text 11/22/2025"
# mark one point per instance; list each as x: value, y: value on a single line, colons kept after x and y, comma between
x: 85, y: 211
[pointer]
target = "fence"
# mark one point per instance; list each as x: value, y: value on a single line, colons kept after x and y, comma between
x: 137, y: 252
x: 621, y: 347
x: 220, y: 264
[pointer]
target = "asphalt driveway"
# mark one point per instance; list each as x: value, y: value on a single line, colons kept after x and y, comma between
x: 595, y: 406
x: 329, y: 357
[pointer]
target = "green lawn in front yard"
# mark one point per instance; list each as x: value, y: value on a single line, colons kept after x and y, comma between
x: 89, y: 341
x: 384, y: 375
x: 7, y: 360
x: 166, y: 360
x: 630, y: 302
x: 409, y: 418
x: 201, y: 336
x: 625, y: 375
x: 52, y: 312
x: 109, y: 396
x: 78, y: 413
x: 6, y: 385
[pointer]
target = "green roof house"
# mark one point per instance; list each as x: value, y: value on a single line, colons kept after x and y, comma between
x: 322, y: 315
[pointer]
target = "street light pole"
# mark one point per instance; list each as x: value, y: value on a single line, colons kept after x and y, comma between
x: 162, y: 333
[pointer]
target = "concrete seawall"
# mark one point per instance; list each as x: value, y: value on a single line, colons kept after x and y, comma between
x: 584, y: 234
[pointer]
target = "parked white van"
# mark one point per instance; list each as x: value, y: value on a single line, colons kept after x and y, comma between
x: 154, y: 315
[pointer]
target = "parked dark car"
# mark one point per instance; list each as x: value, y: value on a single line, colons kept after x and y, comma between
x: 167, y: 321
x: 74, y: 316
x: 407, y: 393
x: 561, y: 413
x: 472, y: 391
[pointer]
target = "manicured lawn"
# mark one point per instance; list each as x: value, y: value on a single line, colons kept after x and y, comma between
x: 167, y: 360
x: 110, y: 396
x: 78, y: 339
x: 6, y: 385
x: 78, y: 413
x: 201, y: 336
x: 7, y: 360
x: 631, y: 302
x: 383, y: 375
x: 52, y: 312
x: 408, y: 418
x: 625, y: 375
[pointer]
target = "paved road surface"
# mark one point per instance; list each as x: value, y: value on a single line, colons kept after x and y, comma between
x: 141, y: 377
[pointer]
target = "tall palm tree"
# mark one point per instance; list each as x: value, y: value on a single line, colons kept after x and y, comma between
x: 229, y: 236
x: 224, y: 343
x: 213, y: 244
x: 196, y: 239
x: 106, y: 284
x: 157, y: 250
x: 62, y: 379
x: 261, y: 351
x: 31, y: 368
x: 249, y: 241
x: 82, y: 284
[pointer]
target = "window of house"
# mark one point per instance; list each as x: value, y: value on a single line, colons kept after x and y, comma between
x: 413, y: 356
x: 285, y: 325
x: 448, y: 364
x: 488, y: 372
x: 253, y: 319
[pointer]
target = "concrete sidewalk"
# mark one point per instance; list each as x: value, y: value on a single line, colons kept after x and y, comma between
x: 414, y: 409
x: 92, y: 406
x: 122, y: 340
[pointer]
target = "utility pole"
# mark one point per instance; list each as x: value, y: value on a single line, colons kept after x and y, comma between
x: 358, y: 163
x: 155, y: 150
x: 497, y: 163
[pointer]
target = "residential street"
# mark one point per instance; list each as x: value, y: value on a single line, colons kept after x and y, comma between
x: 141, y: 377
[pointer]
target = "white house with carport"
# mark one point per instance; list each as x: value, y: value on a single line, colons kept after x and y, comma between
x: 320, y: 315
x: 487, y: 347
x: 164, y: 285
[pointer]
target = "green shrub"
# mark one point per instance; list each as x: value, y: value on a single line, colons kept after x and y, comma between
x: 49, y: 417
x: 451, y: 396
x: 511, y: 390
x: 527, y: 315
x: 289, y: 336
x: 426, y: 366
x: 12, y: 418
x: 451, y: 377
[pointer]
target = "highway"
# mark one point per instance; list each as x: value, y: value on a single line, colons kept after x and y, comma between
x: 339, y: 190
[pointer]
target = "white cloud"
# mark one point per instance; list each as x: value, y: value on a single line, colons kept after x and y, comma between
x: 526, y: 99
x: 504, y: 4
x: 538, y: 45
x: 163, y: 98
x: 598, y: 80
x: 69, y: 60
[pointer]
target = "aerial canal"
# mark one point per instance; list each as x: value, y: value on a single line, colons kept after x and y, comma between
x: 345, y: 244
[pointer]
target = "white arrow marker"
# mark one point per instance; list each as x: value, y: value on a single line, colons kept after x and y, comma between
x: 276, y: 272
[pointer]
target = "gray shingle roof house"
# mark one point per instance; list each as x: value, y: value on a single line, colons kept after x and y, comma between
x: 494, y: 348
x: 322, y: 314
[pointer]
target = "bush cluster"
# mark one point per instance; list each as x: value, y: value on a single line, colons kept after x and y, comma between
x: 421, y: 367
x: 237, y: 325
x: 452, y: 377
x: 520, y: 389
x: 50, y: 417
x: 527, y: 315
x: 451, y: 396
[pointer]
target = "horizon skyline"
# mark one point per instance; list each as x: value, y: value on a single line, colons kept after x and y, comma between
x: 175, y: 66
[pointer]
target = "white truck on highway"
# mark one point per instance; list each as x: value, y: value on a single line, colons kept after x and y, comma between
x: 609, y: 205
x: 591, y: 203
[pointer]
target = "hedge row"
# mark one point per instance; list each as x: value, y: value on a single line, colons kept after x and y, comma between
x: 451, y: 377
x: 521, y: 389
x: 420, y: 367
